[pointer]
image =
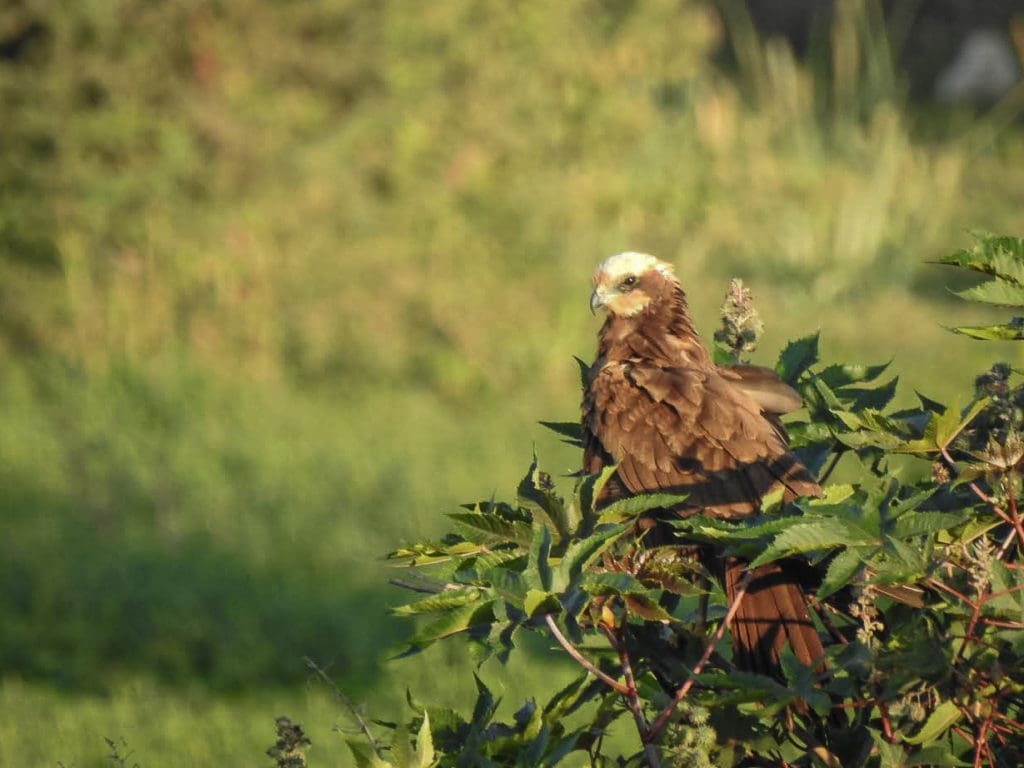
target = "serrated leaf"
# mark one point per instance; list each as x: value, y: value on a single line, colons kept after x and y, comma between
x: 796, y: 358
x: 592, y: 486
x: 999, y: 292
x: 443, y: 601
x: 572, y: 431
x: 424, y: 756
x: 510, y: 585
x: 537, y: 493
x: 584, y: 371
x: 999, y: 255
x: 875, y: 398
x: 943, y: 428
x: 1011, y: 331
x: 922, y: 523
x: 942, y: 718
x: 634, y: 506
x: 646, y: 608
x: 613, y: 583
x: 491, y: 529
x: 822, y: 534
x: 581, y: 553
x: 364, y: 755
x: 841, y: 570
x: 458, y: 620
x: 401, y: 749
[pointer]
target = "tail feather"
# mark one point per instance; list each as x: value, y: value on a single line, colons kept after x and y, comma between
x: 772, y: 614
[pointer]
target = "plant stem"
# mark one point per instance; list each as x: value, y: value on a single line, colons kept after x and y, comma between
x: 582, y: 660
x: 684, y: 689
x: 346, y: 702
x: 650, y: 751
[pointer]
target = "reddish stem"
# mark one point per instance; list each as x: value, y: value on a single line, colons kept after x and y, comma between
x: 684, y: 689
x: 582, y: 660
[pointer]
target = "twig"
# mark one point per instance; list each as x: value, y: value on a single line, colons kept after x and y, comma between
x: 684, y: 689
x: 346, y: 702
x: 883, y: 710
x: 650, y: 751
x: 972, y: 485
x: 1001, y: 553
x: 829, y: 469
x: 582, y: 660
x: 946, y: 588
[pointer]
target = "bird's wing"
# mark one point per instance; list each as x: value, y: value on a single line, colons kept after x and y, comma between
x: 771, y: 393
x: 690, y: 430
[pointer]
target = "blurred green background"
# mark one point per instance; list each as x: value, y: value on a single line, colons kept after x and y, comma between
x: 283, y: 282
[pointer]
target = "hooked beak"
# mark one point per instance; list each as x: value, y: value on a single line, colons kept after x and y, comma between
x: 596, y: 300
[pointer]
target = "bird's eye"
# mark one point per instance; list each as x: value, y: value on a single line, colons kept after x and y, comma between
x: 629, y: 282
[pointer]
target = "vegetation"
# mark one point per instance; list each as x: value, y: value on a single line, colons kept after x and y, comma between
x: 279, y: 281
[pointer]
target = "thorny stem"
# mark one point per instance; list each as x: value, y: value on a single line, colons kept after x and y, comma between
x: 650, y: 751
x: 346, y: 702
x: 684, y: 689
x: 582, y: 660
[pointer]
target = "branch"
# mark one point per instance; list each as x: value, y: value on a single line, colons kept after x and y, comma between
x: 582, y: 660
x: 684, y: 689
x: 650, y: 751
x: 346, y: 702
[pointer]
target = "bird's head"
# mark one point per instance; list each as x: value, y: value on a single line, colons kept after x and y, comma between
x: 627, y: 283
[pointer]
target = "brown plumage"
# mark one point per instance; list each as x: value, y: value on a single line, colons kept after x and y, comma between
x: 659, y: 408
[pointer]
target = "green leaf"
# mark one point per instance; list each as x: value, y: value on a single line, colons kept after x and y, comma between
x: 1002, y: 293
x: 997, y: 255
x: 634, y: 506
x: 401, y: 749
x: 443, y: 601
x: 942, y: 718
x: 1011, y: 331
x: 458, y: 620
x: 571, y: 430
x: 841, y: 570
x: 424, y: 756
x: 591, y: 488
x: 582, y: 552
x: 584, y: 371
x: 943, y: 428
x: 364, y: 755
x: 613, y: 583
x: 922, y: 523
x: 822, y: 534
x: 537, y: 493
x: 871, y: 397
x: 491, y: 529
x: 841, y: 375
x: 538, y: 602
x: 510, y: 585
x: 796, y: 358
x: 538, y: 569
x: 936, y: 755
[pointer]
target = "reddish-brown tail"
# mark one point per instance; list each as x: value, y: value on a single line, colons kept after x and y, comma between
x: 772, y: 614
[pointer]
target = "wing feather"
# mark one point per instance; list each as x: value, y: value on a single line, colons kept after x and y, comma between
x: 693, y: 430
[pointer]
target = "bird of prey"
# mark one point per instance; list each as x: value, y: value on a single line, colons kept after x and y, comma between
x: 671, y: 420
